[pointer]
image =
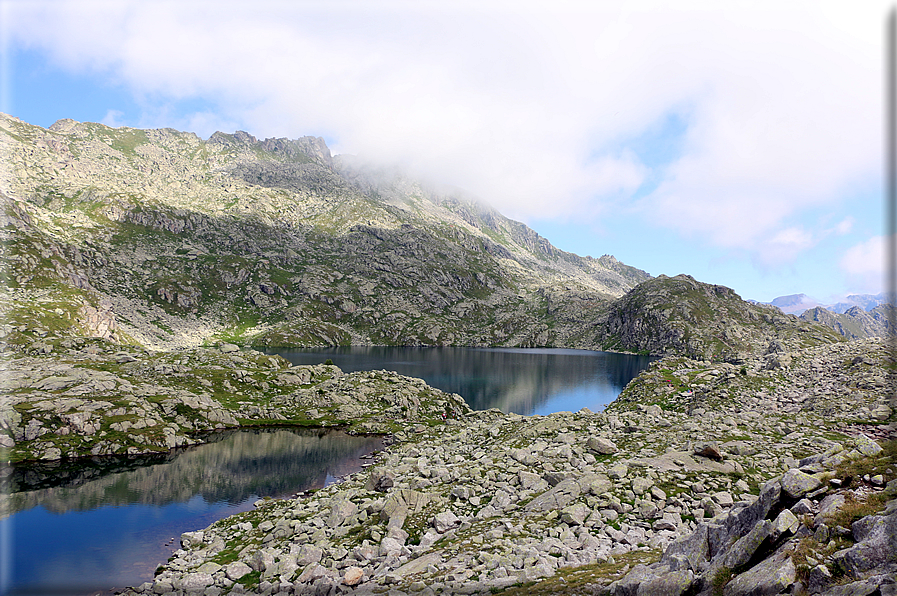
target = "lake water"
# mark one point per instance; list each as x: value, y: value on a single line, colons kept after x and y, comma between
x: 105, y: 523
x: 525, y: 381
x: 108, y: 522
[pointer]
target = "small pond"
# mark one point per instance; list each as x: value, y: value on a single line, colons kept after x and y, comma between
x: 107, y: 523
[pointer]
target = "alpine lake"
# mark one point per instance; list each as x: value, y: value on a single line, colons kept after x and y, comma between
x: 93, y: 526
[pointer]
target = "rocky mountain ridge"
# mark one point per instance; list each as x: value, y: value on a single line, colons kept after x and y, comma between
x: 160, y: 239
x: 271, y: 242
x: 679, y: 315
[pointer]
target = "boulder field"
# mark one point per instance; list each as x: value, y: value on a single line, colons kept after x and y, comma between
x: 701, y: 478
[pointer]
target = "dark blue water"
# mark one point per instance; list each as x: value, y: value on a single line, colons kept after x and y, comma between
x: 525, y: 381
x: 107, y: 523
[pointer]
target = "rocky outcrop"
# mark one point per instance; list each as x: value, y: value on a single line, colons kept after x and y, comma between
x: 679, y: 315
x: 84, y: 400
x: 763, y: 546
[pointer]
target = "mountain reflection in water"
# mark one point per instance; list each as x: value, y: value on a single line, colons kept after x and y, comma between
x: 109, y: 521
x: 521, y: 380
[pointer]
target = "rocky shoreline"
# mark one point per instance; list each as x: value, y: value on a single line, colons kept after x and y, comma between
x: 90, y: 397
x: 492, y: 501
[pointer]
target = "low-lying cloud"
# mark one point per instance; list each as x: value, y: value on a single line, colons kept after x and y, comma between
x: 533, y: 108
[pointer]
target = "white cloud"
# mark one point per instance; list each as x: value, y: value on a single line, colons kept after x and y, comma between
x: 533, y: 107
x: 113, y: 118
x: 865, y: 264
x: 844, y: 226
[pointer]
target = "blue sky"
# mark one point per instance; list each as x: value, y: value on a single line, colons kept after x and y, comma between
x: 741, y: 145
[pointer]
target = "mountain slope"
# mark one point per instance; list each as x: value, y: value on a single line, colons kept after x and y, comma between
x: 679, y: 315
x: 161, y: 238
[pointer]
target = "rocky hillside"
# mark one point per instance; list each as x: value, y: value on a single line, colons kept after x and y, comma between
x: 855, y: 322
x: 159, y: 238
x: 679, y: 315
x: 714, y: 496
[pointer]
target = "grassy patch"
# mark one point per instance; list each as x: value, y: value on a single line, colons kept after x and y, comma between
x: 573, y: 581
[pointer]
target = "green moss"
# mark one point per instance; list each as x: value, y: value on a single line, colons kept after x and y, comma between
x: 251, y: 579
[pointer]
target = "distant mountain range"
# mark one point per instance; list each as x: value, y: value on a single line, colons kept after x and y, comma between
x: 859, y: 315
x: 796, y: 304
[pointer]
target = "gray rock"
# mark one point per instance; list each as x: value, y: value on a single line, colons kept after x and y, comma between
x: 191, y: 539
x: 801, y: 507
x: 575, y: 514
x: 530, y: 481
x: 445, y: 521
x: 340, y: 511
x: 618, y: 471
x: 312, y: 573
x: 672, y: 583
x: 867, y: 446
x: 876, y: 543
x: 869, y: 587
x: 595, y: 484
x: 601, y: 445
x: 669, y: 521
x: 390, y: 546
x: 785, y: 524
x: 556, y: 498
x: 796, y: 483
x: 196, y: 582
x: 818, y: 579
x: 629, y: 584
x: 723, y: 498
x: 261, y: 560
x: 828, y: 507
x: 694, y: 548
x: 381, y: 480
x: 209, y: 567
x: 744, y: 549
x: 641, y: 485
x: 711, y: 507
x: 772, y: 576
x: 236, y: 570
x: 308, y: 554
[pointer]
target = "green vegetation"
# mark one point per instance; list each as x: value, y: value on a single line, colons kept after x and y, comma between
x: 574, y: 581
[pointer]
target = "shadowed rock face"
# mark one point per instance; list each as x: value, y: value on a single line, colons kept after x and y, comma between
x: 752, y: 550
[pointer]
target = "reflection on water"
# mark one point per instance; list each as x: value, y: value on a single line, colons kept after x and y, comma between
x: 109, y: 521
x: 525, y: 381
